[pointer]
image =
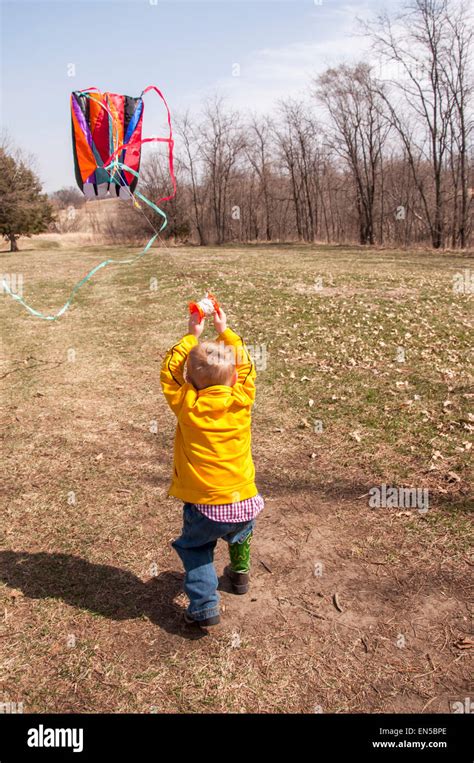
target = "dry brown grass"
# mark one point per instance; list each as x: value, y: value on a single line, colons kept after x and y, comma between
x: 89, y: 584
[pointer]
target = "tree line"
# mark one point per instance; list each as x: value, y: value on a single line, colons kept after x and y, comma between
x: 375, y: 155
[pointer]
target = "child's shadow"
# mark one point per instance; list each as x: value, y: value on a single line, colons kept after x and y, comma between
x: 108, y: 591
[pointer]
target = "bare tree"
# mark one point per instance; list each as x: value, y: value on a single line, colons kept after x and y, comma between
x: 190, y: 159
x: 297, y: 142
x: 357, y: 133
x: 458, y: 79
x: 258, y: 154
x: 221, y: 147
x: 417, y: 98
x: 155, y: 183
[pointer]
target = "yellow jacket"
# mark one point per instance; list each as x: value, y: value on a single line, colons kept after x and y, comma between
x: 212, y: 451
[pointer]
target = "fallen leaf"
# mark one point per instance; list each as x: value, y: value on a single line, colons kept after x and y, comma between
x: 465, y: 643
x: 336, y: 603
x: 453, y: 477
x: 304, y: 423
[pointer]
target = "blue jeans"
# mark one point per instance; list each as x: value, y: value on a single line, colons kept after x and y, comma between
x: 195, y: 547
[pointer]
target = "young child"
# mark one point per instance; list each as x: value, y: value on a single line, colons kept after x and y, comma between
x: 213, y: 470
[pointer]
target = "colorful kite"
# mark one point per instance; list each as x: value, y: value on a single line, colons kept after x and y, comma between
x: 101, y: 122
x: 107, y: 141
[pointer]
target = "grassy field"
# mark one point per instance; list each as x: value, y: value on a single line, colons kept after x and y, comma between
x: 363, y: 381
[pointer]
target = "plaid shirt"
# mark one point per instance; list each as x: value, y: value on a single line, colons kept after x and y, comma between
x: 241, y: 511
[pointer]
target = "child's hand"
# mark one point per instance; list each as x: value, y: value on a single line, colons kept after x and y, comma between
x: 220, y: 321
x: 195, y: 325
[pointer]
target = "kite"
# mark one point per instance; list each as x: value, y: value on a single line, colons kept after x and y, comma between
x: 107, y: 141
x: 100, y: 123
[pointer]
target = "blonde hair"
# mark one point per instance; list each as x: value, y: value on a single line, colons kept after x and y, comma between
x: 210, y: 363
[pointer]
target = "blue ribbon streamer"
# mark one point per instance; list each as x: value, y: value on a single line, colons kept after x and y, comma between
x: 78, y: 285
x: 103, y: 264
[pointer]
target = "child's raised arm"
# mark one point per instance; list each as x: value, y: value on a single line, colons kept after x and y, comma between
x: 246, y: 373
x: 172, y: 369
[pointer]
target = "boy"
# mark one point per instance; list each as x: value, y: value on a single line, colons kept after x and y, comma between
x: 213, y: 468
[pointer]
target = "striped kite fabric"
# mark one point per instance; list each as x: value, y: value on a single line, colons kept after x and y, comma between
x: 101, y: 124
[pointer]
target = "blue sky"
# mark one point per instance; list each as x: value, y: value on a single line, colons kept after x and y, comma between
x: 188, y: 48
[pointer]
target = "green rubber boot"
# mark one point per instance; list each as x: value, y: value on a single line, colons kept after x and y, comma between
x: 239, y: 570
x: 240, y: 555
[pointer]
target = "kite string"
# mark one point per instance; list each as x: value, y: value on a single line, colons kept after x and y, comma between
x: 78, y: 285
x: 117, y: 166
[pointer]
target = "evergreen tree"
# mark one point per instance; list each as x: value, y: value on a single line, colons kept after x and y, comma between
x: 24, y: 209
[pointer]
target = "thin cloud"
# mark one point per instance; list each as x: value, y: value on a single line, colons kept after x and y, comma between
x: 270, y: 74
